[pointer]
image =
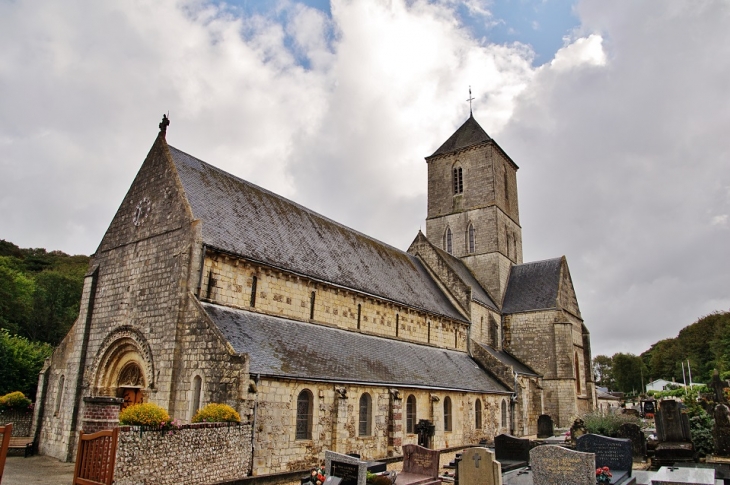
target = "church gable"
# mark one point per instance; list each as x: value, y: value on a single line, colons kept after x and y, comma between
x: 243, y: 219
x: 567, y: 298
x: 154, y: 204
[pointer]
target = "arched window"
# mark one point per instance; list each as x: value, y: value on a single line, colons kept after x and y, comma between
x: 448, y: 241
x: 472, y: 239
x: 577, y: 373
x: 478, y: 414
x: 509, y: 244
x: 304, y: 415
x: 447, y: 414
x: 366, y: 415
x: 59, y: 394
x: 493, y: 332
x: 411, y: 414
x: 504, y: 413
x: 458, y: 181
x: 197, y: 386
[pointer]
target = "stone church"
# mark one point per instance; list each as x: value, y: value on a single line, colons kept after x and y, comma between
x: 207, y: 288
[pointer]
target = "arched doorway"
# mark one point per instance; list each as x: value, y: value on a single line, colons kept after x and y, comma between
x: 130, y: 385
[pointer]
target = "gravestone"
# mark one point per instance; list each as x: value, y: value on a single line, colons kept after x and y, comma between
x: 351, y: 470
x: 545, y: 428
x: 721, y: 431
x: 674, y: 439
x: 615, y: 453
x: 638, y: 439
x: 683, y: 476
x: 631, y: 412
x: 478, y: 467
x: 418, y: 460
x: 577, y: 430
x: 718, y: 388
x: 555, y: 465
x: 511, y: 452
x: 671, y: 423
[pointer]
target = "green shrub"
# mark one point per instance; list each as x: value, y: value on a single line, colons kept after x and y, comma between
x: 217, y: 413
x: 145, y: 414
x: 14, y: 400
x: 607, y: 424
x: 700, y: 427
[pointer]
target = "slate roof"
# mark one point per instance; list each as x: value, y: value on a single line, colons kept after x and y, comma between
x: 533, y: 286
x: 507, y: 359
x: 284, y: 348
x: 468, y: 134
x: 244, y: 219
x: 478, y: 293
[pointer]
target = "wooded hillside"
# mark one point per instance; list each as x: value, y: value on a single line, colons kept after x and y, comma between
x: 40, y: 293
x: 705, y: 344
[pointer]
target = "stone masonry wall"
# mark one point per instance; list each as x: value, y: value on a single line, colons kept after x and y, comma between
x: 201, y: 453
x: 336, y: 419
x: 22, y: 421
x: 229, y: 281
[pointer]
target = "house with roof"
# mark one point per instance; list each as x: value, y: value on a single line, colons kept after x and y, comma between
x: 207, y: 288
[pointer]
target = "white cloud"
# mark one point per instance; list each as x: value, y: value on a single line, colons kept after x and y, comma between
x: 621, y: 138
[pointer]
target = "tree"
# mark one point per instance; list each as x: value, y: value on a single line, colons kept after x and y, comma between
x: 627, y: 371
x: 20, y: 362
x: 603, y: 371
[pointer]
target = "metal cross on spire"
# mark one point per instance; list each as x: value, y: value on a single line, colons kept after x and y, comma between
x: 470, y: 100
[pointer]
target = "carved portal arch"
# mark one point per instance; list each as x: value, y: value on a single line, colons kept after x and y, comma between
x: 124, y: 361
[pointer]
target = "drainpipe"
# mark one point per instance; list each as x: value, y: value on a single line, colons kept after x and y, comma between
x: 253, y: 422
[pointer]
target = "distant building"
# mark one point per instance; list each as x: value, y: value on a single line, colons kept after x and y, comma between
x: 661, y: 385
x: 206, y: 288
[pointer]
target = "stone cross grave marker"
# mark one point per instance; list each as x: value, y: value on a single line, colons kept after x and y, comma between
x: 478, y: 467
x: 638, y: 439
x: 511, y: 452
x: 555, y: 465
x: 615, y: 453
x: 351, y: 470
x: 545, y: 428
x: 420, y: 461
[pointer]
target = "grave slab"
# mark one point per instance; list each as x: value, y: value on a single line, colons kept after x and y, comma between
x: 555, y: 465
x: 479, y: 467
x: 683, y: 476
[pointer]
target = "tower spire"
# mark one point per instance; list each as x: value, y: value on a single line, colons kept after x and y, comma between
x: 470, y: 100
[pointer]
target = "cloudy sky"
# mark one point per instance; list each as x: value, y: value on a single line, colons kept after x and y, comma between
x: 616, y: 112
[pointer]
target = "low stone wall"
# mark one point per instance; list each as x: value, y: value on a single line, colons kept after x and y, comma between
x: 22, y: 421
x: 196, y: 454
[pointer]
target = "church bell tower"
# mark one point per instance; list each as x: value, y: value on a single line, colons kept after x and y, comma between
x: 473, y: 212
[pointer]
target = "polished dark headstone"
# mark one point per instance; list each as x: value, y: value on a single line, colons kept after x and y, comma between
x: 545, y: 428
x: 511, y: 452
x: 638, y: 439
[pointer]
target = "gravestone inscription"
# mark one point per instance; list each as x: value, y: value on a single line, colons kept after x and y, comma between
x: 545, y: 427
x: 615, y: 453
x: 420, y: 461
x: 555, y: 465
x: 478, y: 467
x: 351, y: 470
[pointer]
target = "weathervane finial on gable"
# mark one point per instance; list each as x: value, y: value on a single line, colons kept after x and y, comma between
x: 164, y: 124
x: 470, y: 100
